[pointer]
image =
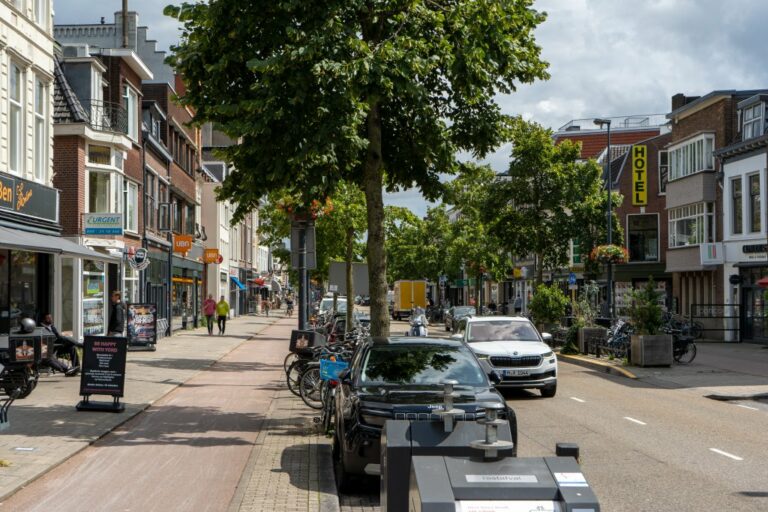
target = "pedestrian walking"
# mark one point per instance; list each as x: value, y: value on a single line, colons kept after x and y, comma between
x: 116, y: 316
x: 265, y: 306
x: 222, y: 311
x: 209, y: 310
x: 518, y: 304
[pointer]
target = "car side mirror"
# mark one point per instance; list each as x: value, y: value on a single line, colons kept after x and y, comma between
x: 547, y: 338
x: 494, y: 377
x: 345, y: 376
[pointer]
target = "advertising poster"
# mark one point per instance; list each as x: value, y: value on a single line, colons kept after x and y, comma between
x: 103, y: 366
x: 142, y: 324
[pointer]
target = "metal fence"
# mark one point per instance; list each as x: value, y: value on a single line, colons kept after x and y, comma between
x: 720, y: 322
x: 106, y: 116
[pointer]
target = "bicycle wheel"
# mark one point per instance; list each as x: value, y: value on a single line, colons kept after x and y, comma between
x: 310, y: 387
x: 328, y: 406
x: 687, y: 354
x: 289, y: 359
x: 697, y: 330
x: 293, y: 375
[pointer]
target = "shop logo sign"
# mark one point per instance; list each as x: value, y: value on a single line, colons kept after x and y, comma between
x: 211, y: 256
x: 639, y: 175
x: 103, y: 223
x: 138, y: 259
x: 182, y: 243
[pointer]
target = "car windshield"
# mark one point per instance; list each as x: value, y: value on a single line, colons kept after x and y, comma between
x: 463, y: 311
x: 327, y: 305
x: 501, y: 330
x: 419, y: 365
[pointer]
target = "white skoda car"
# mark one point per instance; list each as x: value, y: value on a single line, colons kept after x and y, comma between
x: 514, y: 349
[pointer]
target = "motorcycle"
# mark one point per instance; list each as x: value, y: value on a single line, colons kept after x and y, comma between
x: 419, y: 325
x: 21, y: 357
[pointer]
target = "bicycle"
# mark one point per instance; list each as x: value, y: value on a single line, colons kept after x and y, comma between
x: 683, y: 346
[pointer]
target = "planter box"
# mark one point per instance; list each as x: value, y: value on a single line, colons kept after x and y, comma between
x: 653, y: 350
x: 586, y: 333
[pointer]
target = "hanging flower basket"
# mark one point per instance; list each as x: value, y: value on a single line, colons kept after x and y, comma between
x: 298, y: 211
x: 609, y: 254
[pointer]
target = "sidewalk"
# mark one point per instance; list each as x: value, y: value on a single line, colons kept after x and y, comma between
x: 721, y: 370
x: 46, y: 430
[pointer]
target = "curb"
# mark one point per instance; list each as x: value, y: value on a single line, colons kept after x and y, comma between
x: 126, y: 419
x: 597, y: 365
x: 728, y: 398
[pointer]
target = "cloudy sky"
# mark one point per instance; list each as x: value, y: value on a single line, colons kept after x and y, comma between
x: 607, y: 57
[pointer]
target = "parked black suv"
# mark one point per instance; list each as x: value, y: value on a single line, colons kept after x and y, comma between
x: 401, y: 378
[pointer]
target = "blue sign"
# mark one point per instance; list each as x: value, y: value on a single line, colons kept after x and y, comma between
x: 103, y: 224
x: 571, y: 278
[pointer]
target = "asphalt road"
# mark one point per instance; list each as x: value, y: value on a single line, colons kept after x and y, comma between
x: 644, y: 448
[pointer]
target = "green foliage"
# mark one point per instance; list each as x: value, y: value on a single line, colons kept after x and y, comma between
x: 317, y: 92
x: 572, y: 339
x: 645, y: 312
x: 474, y: 241
x: 548, y: 198
x: 548, y: 304
x: 585, y: 308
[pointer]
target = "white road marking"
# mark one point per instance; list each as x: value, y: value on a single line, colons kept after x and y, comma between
x: 726, y: 454
x: 747, y: 407
x: 578, y: 399
x: 633, y: 420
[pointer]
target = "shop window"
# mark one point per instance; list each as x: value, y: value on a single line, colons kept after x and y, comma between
x: 755, y: 214
x: 23, y: 289
x: 4, y: 289
x: 736, y: 206
x: 66, y: 322
x: 93, y: 298
x: 643, y: 237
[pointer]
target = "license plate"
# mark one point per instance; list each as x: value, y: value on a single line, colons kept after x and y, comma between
x: 516, y: 373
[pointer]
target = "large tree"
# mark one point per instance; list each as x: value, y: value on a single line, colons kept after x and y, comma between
x: 548, y: 198
x: 320, y: 90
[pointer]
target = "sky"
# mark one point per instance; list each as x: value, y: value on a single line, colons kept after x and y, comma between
x: 607, y: 57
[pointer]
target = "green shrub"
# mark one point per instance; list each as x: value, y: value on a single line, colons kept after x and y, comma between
x: 645, y: 312
x: 548, y: 304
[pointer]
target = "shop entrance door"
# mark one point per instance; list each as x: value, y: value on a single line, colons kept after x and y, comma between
x: 754, y: 326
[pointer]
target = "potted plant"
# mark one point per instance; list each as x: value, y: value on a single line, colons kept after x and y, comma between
x: 649, y: 346
x: 547, y: 307
x: 585, y: 311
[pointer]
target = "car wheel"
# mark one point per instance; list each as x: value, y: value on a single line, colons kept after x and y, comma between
x: 549, y: 391
x: 512, y: 419
x: 343, y: 479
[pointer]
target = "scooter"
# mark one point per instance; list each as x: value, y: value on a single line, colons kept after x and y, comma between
x: 418, y: 326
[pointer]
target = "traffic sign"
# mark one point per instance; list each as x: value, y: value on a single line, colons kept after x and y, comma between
x: 571, y: 278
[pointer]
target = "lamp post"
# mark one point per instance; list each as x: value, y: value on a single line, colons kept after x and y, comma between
x: 609, y: 292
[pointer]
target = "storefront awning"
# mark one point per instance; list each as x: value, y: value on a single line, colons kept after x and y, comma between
x: 276, y: 286
x: 29, y: 241
x: 237, y: 282
x: 257, y: 281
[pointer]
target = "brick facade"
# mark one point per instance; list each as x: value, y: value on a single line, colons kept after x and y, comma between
x: 69, y: 178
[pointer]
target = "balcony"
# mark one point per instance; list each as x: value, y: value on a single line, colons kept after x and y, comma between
x: 106, y: 116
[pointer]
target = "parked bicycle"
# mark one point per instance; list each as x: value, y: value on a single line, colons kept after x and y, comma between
x: 619, y: 339
x: 686, y: 327
x: 683, y: 346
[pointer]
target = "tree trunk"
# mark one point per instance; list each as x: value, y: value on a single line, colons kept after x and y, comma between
x: 539, y: 270
x: 350, y: 282
x: 373, y: 183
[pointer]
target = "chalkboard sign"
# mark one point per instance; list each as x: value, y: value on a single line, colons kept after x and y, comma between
x: 103, y: 372
x: 142, y: 324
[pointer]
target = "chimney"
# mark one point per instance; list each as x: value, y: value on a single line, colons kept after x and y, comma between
x: 125, y: 23
x: 678, y: 100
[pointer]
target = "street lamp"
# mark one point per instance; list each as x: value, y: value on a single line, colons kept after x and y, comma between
x: 609, y: 293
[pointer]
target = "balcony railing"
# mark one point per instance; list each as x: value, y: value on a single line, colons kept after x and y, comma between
x: 106, y: 116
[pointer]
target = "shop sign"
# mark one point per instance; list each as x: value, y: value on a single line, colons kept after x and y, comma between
x: 103, y: 366
x: 29, y: 198
x: 182, y: 243
x: 754, y: 248
x: 211, y: 256
x: 138, y: 258
x: 711, y: 253
x: 142, y: 324
x: 103, y: 223
x: 517, y: 273
x: 639, y: 175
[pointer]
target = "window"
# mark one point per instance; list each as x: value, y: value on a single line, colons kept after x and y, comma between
x: 753, y: 121
x: 41, y: 11
x: 16, y: 119
x: 754, y: 204
x: 131, y: 288
x: 190, y: 219
x: 104, y: 191
x: 692, y: 224
x: 151, y: 203
x: 177, y: 213
x: 737, y: 205
x: 643, y: 237
x: 691, y: 157
x: 131, y: 108
x: 663, y: 171
x: 41, y: 139
x: 130, y: 206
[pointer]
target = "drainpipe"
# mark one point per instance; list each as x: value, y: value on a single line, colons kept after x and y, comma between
x: 143, y: 273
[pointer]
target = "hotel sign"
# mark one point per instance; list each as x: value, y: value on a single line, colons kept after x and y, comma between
x: 29, y: 198
x: 639, y: 175
x: 103, y: 223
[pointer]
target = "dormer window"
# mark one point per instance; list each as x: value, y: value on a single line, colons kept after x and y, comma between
x: 752, y: 118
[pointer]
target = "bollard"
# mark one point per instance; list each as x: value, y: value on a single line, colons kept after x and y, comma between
x: 491, y: 444
x: 448, y: 412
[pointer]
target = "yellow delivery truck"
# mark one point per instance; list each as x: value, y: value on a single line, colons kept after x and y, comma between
x: 408, y: 295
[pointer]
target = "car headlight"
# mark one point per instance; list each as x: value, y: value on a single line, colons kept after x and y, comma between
x: 548, y: 354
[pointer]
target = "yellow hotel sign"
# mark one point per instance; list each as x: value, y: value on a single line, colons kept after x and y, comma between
x: 639, y: 175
